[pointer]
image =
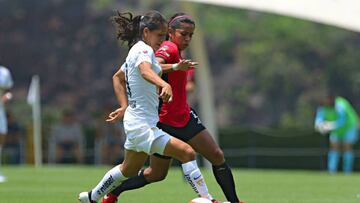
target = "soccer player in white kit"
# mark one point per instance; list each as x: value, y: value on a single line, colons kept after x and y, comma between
x: 138, y: 86
x: 6, y: 83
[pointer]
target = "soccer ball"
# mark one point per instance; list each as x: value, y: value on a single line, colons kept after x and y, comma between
x: 200, y: 200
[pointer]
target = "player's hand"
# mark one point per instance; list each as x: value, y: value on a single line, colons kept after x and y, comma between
x: 166, y: 93
x: 329, y: 125
x: 186, y: 64
x: 6, y: 97
x: 319, y: 128
x: 325, y: 127
x: 116, y: 115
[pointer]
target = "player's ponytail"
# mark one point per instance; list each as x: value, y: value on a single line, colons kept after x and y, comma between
x: 130, y: 29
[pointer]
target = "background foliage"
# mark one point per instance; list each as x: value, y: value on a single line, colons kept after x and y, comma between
x: 271, y: 69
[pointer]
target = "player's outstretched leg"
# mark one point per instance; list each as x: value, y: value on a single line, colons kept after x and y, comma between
x: 110, y: 180
x: 186, y: 155
x: 157, y: 171
x: 204, y: 144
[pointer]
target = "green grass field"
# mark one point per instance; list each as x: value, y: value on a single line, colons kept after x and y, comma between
x: 55, y: 184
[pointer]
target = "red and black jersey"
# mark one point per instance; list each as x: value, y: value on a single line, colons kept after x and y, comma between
x: 177, y: 112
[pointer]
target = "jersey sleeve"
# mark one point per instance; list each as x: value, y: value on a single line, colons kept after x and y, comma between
x: 341, y: 115
x: 320, y: 115
x: 166, y: 52
x: 123, y: 66
x: 144, y: 55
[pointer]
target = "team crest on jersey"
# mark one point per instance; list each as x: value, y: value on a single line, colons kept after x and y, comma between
x: 164, y: 48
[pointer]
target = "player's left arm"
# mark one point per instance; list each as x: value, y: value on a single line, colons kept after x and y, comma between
x: 341, y: 116
x: 182, y: 65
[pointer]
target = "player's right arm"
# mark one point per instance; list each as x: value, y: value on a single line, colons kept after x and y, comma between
x: 119, y: 85
x: 149, y: 75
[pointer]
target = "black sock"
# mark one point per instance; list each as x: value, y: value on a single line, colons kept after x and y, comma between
x: 225, y: 179
x: 131, y: 184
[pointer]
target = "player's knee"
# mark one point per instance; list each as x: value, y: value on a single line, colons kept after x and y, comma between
x: 154, y: 175
x: 347, y: 147
x: 188, y: 155
x: 159, y: 176
x: 128, y: 172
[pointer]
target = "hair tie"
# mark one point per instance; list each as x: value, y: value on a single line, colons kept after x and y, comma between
x: 142, y: 17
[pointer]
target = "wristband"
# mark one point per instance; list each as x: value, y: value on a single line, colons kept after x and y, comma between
x: 174, y: 66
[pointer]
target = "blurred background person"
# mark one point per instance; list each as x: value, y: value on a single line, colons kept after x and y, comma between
x: 6, y: 83
x: 109, y: 141
x: 67, y: 142
x: 336, y: 116
x: 14, y: 147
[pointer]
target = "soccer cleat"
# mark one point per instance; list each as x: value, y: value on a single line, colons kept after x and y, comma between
x: 109, y: 198
x: 216, y: 201
x: 84, y: 198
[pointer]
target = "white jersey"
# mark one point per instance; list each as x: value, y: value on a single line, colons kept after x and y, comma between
x: 6, y: 82
x: 143, y: 100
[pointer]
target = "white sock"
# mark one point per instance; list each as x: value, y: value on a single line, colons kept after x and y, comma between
x: 196, y: 180
x: 110, y: 181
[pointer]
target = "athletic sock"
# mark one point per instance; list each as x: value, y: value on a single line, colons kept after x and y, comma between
x: 111, y: 179
x: 333, y: 159
x: 348, y: 160
x: 195, y: 179
x: 225, y: 179
x: 131, y: 183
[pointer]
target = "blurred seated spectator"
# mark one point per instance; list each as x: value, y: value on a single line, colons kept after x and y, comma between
x: 14, y: 142
x: 67, y: 141
x: 109, y: 141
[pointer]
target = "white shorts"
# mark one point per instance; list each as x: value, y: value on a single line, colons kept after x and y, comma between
x: 145, y: 139
x: 3, y: 123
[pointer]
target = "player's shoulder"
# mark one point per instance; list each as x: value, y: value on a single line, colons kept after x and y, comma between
x: 140, y: 48
x: 168, y: 46
x: 4, y: 70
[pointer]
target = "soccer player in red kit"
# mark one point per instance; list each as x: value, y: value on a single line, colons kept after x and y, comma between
x: 178, y: 119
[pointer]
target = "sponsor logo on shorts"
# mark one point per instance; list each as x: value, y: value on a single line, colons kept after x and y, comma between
x: 195, y: 116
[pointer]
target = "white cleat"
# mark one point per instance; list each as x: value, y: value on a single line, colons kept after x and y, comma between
x: 2, y: 179
x: 84, y: 198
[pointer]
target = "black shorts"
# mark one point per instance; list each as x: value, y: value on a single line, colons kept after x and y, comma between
x: 186, y: 133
